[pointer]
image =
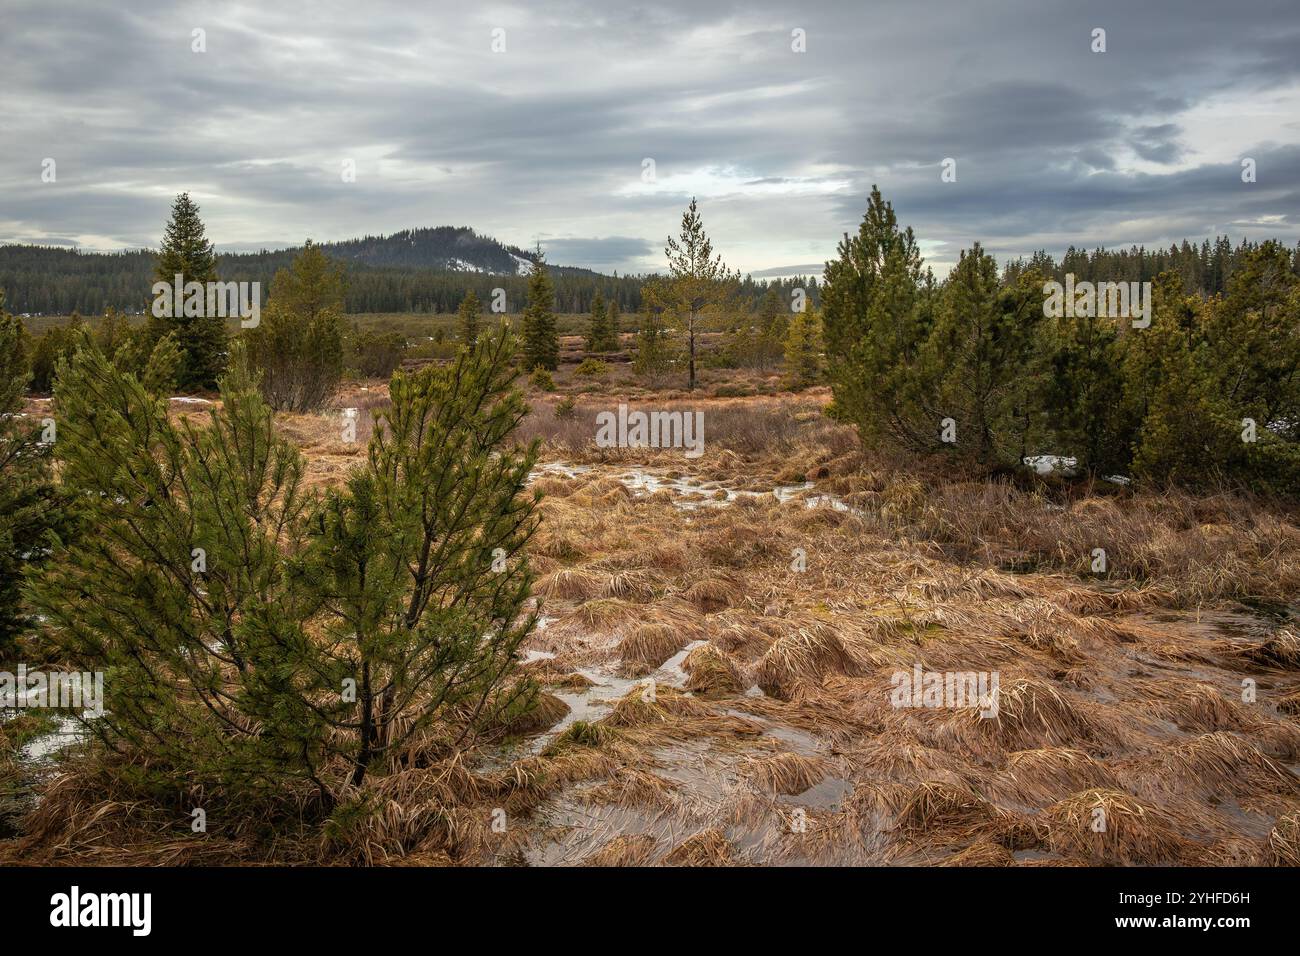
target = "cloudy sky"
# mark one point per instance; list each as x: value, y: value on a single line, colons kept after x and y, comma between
x: 548, y: 140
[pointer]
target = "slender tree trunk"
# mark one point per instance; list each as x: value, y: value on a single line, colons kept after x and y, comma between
x: 367, y: 728
x: 691, y: 387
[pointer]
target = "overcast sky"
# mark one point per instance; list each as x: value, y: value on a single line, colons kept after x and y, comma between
x: 547, y: 141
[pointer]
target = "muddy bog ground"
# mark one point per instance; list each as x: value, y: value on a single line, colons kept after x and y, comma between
x: 721, y: 637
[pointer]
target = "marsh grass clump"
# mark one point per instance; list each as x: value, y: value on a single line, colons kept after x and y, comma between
x: 1048, y: 774
x: 1223, y: 762
x: 936, y: 805
x: 1283, y: 848
x: 1115, y: 828
x: 711, y: 671
x: 709, y: 847
x: 581, y: 733
x: 648, y: 646
x: 787, y: 773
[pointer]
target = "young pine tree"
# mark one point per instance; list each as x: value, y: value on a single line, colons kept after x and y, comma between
x: 773, y: 327
x: 1191, y: 428
x: 30, y: 508
x: 613, y: 327
x: 202, y: 338
x: 601, y: 334
x: 803, y: 350
x: 298, y: 345
x: 1076, y: 405
x: 467, y: 318
x: 976, y: 358
x: 699, y: 287
x: 256, y: 635
x: 541, y: 340
x: 875, y: 320
x: 596, y: 327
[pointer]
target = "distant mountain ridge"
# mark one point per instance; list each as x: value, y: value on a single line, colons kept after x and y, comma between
x: 427, y: 269
x: 449, y: 248
x: 414, y: 270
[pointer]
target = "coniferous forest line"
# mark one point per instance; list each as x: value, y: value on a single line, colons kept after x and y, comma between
x: 407, y: 272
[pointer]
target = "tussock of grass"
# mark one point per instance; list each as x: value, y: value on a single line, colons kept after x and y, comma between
x: 983, y: 853
x: 1032, y: 714
x: 707, y: 848
x: 1281, y: 650
x: 547, y: 711
x: 648, y: 646
x: 628, y: 850
x: 1050, y: 773
x: 580, y: 733
x: 711, y: 671
x: 806, y: 654
x: 1114, y: 828
x: 937, y: 805
x: 633, y: 585
x: 786, y: 773
x: 630, y: 787
x: 1283, y: 847
x: 569, y: 583
x: 607, y: 613
x: 1222, y: 762
x: 1202, y: 707
x: 638, y: 709
x: 713, y: 592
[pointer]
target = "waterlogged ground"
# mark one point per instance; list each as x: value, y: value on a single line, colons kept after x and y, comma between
x: 719, y: 644
x: 742, y: 708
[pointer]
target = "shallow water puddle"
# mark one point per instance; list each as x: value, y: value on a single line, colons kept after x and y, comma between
x: 43, y: 749
x: 694, y: 492
x: 607, y: 688
x: 828, y: 794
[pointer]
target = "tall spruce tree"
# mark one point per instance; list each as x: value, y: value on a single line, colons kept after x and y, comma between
x: 600, y: 334
x: 467, y: 316
x: 773, y: 325
x: 614, y: 326
x: 541, y: 339
x: 186, y: 252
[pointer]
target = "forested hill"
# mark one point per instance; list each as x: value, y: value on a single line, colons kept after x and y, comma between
x: 454, y: 248
x: 420, y: 270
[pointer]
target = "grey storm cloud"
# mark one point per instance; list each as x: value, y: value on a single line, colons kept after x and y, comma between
x: 546, y: 141
x: 598, y: 253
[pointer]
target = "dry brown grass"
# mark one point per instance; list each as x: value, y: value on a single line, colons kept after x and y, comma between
x: 1119, y: 695
x: 787, y: 773
x: 1283, y: 847
x: 803, y: 655
x: 1222, y: 762
x: 648, y: 646
x: 1114, y: 828
x: 633, y: 850
x: 711, y: 672
x: 1049, y: 774
x: 707, y: 848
